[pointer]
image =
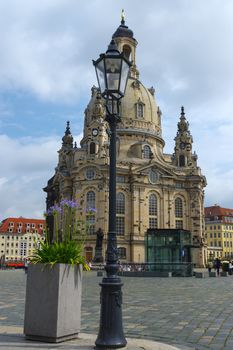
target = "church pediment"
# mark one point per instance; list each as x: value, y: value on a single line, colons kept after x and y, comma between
x: 155, y: 167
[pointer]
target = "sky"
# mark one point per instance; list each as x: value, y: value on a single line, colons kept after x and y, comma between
x: 46, y: 49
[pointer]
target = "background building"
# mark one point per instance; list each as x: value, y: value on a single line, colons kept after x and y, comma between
x: 219, y: 232
x: 19, y: 237
x: 154, y: 189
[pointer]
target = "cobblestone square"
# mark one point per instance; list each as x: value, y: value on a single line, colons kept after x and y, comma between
x: 187, y: 312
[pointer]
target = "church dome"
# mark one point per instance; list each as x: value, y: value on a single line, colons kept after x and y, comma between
x: 139, y: 109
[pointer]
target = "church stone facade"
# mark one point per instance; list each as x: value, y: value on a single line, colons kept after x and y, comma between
x: 154, y: 189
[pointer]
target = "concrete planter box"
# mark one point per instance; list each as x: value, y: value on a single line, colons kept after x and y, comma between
x: 213, y: 274
x: 201, y: 274
x: 53, y: 302
x: 223, y: 273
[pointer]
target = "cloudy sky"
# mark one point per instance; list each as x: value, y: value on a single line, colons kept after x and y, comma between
x: 46, y: 49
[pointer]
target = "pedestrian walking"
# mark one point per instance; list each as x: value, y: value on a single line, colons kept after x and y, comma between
x: 217, y: 265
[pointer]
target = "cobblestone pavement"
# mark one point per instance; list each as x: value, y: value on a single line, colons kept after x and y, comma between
x: 185, y: 312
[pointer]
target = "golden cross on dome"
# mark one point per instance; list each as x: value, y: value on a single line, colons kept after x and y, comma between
x: 122, y: 16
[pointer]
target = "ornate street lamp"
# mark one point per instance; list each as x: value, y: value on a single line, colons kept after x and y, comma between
x: 112, y: 70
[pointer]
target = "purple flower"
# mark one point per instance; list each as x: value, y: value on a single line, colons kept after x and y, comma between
x: 69, y: 203
x: 55, y: 209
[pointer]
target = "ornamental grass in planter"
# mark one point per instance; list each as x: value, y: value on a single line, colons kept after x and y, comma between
x: 54, y: 280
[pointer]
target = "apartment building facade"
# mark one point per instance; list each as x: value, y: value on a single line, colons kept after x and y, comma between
x: 219, y: 232
x: 19, y: 237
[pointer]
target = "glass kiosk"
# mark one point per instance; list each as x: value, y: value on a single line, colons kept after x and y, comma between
x: 169, y: 250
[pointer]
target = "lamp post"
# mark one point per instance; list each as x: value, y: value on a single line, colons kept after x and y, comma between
x: 112, y: 70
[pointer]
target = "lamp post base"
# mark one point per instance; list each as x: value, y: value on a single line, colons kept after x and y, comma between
x: 111, y: 335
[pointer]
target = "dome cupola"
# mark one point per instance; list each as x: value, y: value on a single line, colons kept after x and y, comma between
x: 67, y: 140
x: 123, y: 30
x: 126, y: 43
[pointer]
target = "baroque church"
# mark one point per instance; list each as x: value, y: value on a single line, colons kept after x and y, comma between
x: 154, y: 189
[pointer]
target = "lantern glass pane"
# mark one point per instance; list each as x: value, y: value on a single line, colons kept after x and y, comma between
x: 100, y: 75
x: 124, y: 76
x: 113, y: 70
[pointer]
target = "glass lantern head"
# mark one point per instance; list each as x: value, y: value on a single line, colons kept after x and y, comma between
x: 112, y: 70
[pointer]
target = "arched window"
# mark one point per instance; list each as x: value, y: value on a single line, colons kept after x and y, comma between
x: 179, y: 213
x: 153, y: 212
x: 127, y: 52
x: 146, y: 152
x: 90, y: 215
x: 120, y: 203
x: 140, y: 110
x: 90, y: 200
x: 92, y: 148
x: 120, y: 212
x: 178, y: 208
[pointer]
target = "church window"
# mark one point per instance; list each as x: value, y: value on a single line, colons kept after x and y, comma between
x: 120, y: 203
x: 92, y: 148
x: 90, y: 174
x: 179, y: 213
x: 181, y: 160
x: 90, y: 221
x: 90, y: 217
x: 120, y: 212
x: 120, y: 225
x: 178, y: 208
x: 121, y: 252
x: 152, y: 204
x: 140, y: 110
x: 153, y: 176
x: 146, y: 152
x: 90, y: 199
x: 153, y: 223
x: 179, y: 224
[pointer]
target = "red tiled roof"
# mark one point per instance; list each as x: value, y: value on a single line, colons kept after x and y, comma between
x: 216, y: 210
x: 5, y: 225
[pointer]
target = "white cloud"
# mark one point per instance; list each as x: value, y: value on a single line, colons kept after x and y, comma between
x: 27, y: 164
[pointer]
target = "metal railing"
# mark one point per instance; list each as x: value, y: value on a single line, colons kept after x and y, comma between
x: 152, y: 269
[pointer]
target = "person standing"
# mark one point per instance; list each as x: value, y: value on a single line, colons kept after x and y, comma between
x: 209, y: 266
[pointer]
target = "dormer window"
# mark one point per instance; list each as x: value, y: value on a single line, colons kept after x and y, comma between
x: 139, y: 110
x: 146, y: 152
